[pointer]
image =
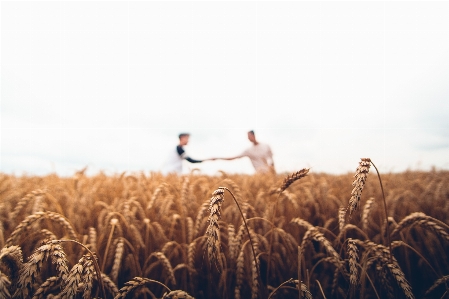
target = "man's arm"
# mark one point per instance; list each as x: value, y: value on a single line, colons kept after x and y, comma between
x: 181, y: 153
x: 244, y: 154
x: 228, y: 159
x: 193, y: 160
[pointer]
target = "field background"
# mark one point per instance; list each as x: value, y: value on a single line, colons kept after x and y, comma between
x: 154, y: 227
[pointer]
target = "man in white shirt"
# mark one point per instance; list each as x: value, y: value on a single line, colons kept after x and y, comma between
x: 173, y: 164
x: 259, y: 153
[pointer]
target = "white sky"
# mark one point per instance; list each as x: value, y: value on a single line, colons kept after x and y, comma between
x: 109, y: 85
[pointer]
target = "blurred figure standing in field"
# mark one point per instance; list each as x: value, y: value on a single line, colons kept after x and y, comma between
x: 173, y: 164
x: 259, y: 153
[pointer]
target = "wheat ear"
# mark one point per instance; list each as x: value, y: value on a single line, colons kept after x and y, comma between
x: 419, y: 218
x: 199, y: 217
x: 290, y: 179
x: 46, y: 286
x: 119, y: 249
x: 217, y: 207
x: 213, y: 230
x: 166, y: 265
x: 383, y: 254
x: 361, y: 175
x: 341, y: 218
x: 94, y: 262
x: 438, y: 282
x: 177, y: 294
x: 13, y: 258
x: 366, y: 211
x: 31, y: 269
x: 29, y: 220
x: 93, y: 239
x: 4, y: 285
x: 304, y: 291
x: 353, y: 257
x: 109, y: 285
x: 135, y: 283
x: 73, y: 280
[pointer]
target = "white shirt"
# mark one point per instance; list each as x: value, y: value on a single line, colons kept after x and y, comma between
x: 173, y: 163
x: 261, y: 157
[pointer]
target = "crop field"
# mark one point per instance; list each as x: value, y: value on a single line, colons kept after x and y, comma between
x: 301, y: 235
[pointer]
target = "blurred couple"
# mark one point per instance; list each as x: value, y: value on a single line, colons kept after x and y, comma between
x: 259, y: 153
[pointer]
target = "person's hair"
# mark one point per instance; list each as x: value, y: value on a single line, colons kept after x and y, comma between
x: 183, y: 134
x: 252, y: 132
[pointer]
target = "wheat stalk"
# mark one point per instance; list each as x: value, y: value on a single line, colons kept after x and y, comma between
x: 304, y: 290
x: 239, y: 272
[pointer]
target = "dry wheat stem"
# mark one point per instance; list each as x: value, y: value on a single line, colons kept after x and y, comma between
x: 114, y: 222
x: 290, y: 179
x: 402, y: 243
x: 300, y: 286
x: 385, y: 209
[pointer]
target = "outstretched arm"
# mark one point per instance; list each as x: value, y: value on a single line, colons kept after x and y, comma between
x: 230, y: 158
x: 193, y: 160
x: 182, y: 154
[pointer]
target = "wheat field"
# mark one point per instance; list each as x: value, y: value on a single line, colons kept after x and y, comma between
x: 302, y: 235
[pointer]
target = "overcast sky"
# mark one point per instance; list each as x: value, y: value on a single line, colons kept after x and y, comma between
x: 110, y: 85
